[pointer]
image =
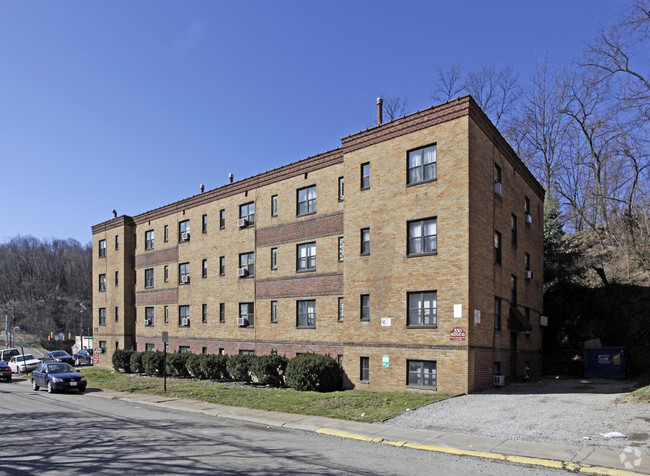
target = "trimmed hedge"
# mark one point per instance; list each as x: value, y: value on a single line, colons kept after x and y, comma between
x: 177, y: 365
x: 153, y: 363
x: 239, y: 366
x: 214, y: 367
x: 122, y: 360
x: 320, y: 373
x: 136, y: 362
x: 194, y: 362
x: 269, y: 369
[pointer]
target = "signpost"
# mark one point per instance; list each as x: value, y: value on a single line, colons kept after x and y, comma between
x: 165, y: 339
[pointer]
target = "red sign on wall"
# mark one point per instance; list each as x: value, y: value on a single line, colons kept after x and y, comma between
x: 457, y: 333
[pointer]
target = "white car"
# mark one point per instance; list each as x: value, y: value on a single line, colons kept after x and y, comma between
x: 22, y: 364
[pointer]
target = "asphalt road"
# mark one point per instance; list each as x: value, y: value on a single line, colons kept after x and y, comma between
x: 73, y: 433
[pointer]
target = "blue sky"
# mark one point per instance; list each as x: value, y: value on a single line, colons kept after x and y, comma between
x: 130, y: 105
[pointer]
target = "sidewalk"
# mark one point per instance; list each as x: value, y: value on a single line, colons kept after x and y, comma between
x: 572, y: 458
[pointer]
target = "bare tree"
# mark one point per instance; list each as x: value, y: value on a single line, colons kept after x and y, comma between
x: 395, y: 107
x: 450, y: 84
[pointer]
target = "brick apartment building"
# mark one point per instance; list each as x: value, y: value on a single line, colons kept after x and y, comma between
x: 412, y: 254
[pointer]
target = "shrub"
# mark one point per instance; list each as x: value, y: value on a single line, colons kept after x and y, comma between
x: 239, y: 366
x: 136, y: 362
x: 214, y: 367
x: 177, y: 364
x: 269, y: 369
x: 320, y: 373
x: 122, y: 360
x: 153, y: 363
x: 194, y: 363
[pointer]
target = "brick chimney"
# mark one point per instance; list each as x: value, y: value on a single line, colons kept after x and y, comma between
x: 380, y: 103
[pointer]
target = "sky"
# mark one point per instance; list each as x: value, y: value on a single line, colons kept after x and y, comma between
x: 131, y: 105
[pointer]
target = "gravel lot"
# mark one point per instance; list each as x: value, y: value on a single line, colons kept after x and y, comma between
x: 550, y: 411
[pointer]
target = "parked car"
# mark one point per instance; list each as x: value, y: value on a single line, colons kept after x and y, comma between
x: 5, y: 371
x: 84, y: 356
x: 58, y: 376
x: 23, y: 363
x: 7, y: 354
x: 58, y: 356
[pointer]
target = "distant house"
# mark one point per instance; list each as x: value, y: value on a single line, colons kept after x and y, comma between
x: 412, y: 254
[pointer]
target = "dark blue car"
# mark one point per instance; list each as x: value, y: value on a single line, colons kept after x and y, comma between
x: 58, y: 376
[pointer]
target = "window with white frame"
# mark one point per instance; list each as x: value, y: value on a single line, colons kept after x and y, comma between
x: 148, y: 278
x: 148, y: 316
x: 184, y: 273
x: 364, y: 367
x: 204, y: 223
x: 365, y: 241
x: 166, y: 233
x: 365, y: 307
x: 306, y: 200
x: 148, y: 240
x: 365, y: 176
x: 102, y: 316
x: 204, y: 268
x: 102, y: 346
x: 222, y: 265
x: 102, y: 282
x: 166, y: 273
x: 166, y: 314
x: 341, y: 189
x: 149, y: 347
x: 306, y: 259
x: 422, y: 164
x: 274, y: 258
x: 247, y: 212
x: 184, y: 349
x: 184, y: 231
x: 341, y: 249
x: 422, y: 373
x: 423, y: 309
x: 247, y: 263
x: 204, y: 313
x: 274, y: 311
x: 340, y: 310
x: 184, y: 316
x: 222, y: 219
x: 274, y: 205
x: 247, y: 312
x: 222, y: 312
x: 422, y: 237
x: 102, y: 248
x: 306, y: 313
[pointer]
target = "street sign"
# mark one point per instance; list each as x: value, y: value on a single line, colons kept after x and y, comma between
x: 165, y: 336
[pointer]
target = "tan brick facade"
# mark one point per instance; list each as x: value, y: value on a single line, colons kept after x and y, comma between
x: 459, y: 349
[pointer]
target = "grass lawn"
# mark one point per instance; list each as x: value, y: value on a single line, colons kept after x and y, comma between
x: 355, y: 405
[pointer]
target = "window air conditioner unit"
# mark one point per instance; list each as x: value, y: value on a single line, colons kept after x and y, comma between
x: 498, y: 189
x: 242, y: 321
x: 185, y: 278
x: 242, y: 222
x: 185, y: 321
x: 529, y: 275
x: 499, y: 380
x: 148, y: 322
x: 529, y: 219
x: 242, y: 272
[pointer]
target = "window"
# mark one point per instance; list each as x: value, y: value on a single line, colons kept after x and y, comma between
x: 306, y: 314
x: 513, y: 290
x: 423, y: 309
x: 274, y: 311
x: 341, y: 189
x: 365, y: 307
x: 184, y: 349
x: 247, y: 212
x: 422, y: 373
x: 204, y: 223
x: 166, y: 233
x: 527, y: 315
x: 102, y: 248
x: 117, y: 278
x: 204, y: 350
x: 222, y: 266
x: 422, y: 164
x: 204, y: 313
x: 148, y: 278
x: 526, y: 206
x: 365, y: 241
x: 497, y: 247
x: 149, y: 347
x: 117, y: 314
x: 497, y: 314
x: 422, y: 237
x: 341, y: 249
x: 102, y: 282
x: 527, y: 261
x: 222, y: 219
x: 497, y: 174
x: 184, y: 273
x: 148, y: 240
x: 148, y: 316
x: 339, y: 360
x: 306, y: 200
x: 497, y: 368
x: 166, y: 273
x: 102, y: 316
x: 184, y: 316
x: 247, y: 312
x: 222, y: 312
x: 117, y: 242
x: 364, y: 365
x: 222, y: 351
x: 184, y: 231
x: 204, y: 268
x: 274, y: 205
x: 340, y: 310
x: 274, y: 258
x: 102, y: 346
x: 166, y: 314
x: 306, y: 260
x: 247, y: 264
x: 513, y: 228
x: 365, y: 176
x: 246, y: 352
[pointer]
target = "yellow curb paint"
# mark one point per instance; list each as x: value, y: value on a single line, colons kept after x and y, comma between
x: 606, y: 471
x: 395, y: 443
x: 345, y: 434
x: 571, y: 467
x: 456, y: 451
x: 548, y: 463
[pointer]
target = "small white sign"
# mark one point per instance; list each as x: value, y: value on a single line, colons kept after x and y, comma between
x: 385, y: 361
x: 386, y: 321
x: 458, y: 311
x: 477, y: 316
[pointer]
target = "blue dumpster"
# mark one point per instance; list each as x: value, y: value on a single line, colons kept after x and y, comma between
x: 606, y: 362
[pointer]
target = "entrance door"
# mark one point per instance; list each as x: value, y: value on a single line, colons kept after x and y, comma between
x: 513, y: 356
